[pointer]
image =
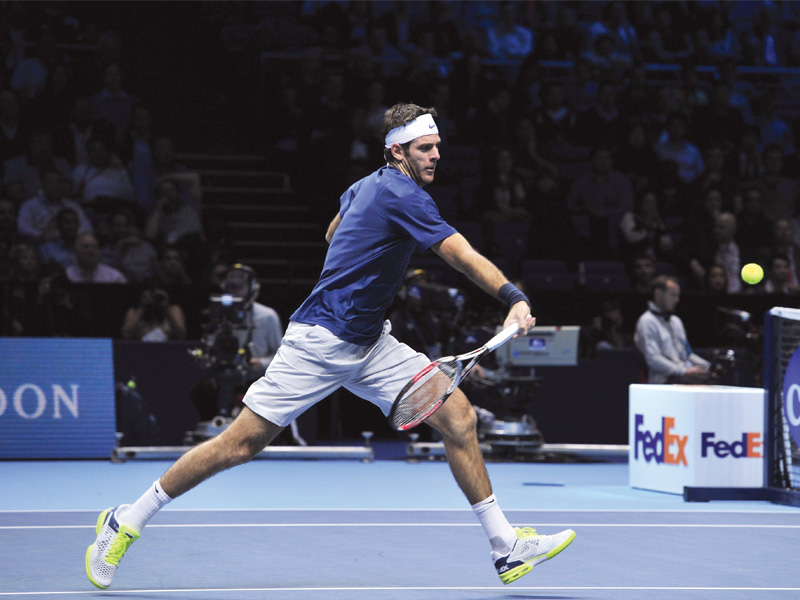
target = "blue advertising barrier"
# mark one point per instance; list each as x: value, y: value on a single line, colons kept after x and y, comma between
x: 56, y: 398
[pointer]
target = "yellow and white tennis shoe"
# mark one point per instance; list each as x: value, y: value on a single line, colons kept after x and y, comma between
x: 529, y: 550
x: 113, y: 540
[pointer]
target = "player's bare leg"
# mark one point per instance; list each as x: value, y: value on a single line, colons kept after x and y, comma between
x: 514, y: 551
x: 248, y: 435
x: 118, y: 527
x: 457, y: 422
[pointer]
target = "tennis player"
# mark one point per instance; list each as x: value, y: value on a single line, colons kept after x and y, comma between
x: 339, y: 338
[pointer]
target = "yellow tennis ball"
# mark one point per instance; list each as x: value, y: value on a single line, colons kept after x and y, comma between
x: 752, y: 273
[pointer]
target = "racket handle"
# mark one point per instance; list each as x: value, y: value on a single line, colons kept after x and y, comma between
x: 502, y: 337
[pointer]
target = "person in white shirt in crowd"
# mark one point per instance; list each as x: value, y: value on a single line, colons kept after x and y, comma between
x: 87, y: 267
x: 661, y: 338
x: 36, y: 220
x: 507, y: 38
x: 101, y: 178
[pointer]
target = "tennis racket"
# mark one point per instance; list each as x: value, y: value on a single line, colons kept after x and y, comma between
x: 428, y: 389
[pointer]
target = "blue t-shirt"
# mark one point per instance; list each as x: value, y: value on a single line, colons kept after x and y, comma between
x: 385, y: 217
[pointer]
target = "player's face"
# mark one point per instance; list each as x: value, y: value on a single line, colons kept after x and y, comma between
x: 419, y: 161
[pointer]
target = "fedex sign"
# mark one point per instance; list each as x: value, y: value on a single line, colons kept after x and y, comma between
x: 698, y: 436
x: 749, y: 446
x: 662, y: 446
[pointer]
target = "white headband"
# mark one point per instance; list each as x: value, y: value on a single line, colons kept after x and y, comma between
x: 422, y: 125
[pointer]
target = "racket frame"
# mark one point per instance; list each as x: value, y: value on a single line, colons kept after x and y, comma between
x: 461, y: 372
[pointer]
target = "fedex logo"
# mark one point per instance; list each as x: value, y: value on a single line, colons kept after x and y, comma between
x: 748, y: 447
x: 662, y: 446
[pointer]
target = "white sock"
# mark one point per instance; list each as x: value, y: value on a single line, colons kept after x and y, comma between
x: 497, y: 528
x: 137, y: 515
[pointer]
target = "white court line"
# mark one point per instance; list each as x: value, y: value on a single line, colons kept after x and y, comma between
x: 415, y: 589
x: 223, y: 525
x: 507, y: 510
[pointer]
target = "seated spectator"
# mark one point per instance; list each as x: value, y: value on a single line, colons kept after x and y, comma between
x: 113, y: 104
x: 507, y: 38
x: 171, y: 270
x: 29, y: 77
x: 606, y: 331
x: 14, y: 132
x: 635, y: 157
x: 102, y: 185
x: 36, y: 220
x: 721, y: 249
x: 603, y: 55
x: 128, y: 251
x: 504, y: 192
x: 776, y: 278
x: 783, y: 243
x: 602, y: 196
x: 146, y: 175
x: 747, y: 158
x: 87, y: 267
x: 781, y: 194
x: 718, y: 40
x: 643, y: 230
x: 602, y: 121
x: 754, y: 231
x: 27, y: 168
x: 154, y: 319
x: 643, y: 271
x: 22, y: 287
x: 172, y: 219
x: 716, y: 282
x: 775, y: 129
x: 666, y: 42
x: 675, y: 147
x: 551, y: 221
x: 718, y: 123
x: 136, y: 147
x: 764, y: 44
x: 580, y: 87
x: 554, y: 122
x: 61, y: 250
x: 661, y: 338
x: 528, y: 161
x: 56, y: 311
x: 617, y: 24
x: 717, y: 174
x: 73, y: 137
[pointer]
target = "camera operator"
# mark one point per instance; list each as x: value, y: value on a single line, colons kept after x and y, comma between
x: 154, y: 319
x: 240, y: 339
x: 258, y: 329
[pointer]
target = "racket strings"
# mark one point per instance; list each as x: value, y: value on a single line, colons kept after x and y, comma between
x: 425, y: 394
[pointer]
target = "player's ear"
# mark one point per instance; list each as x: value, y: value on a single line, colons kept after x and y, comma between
x: 397, y: 152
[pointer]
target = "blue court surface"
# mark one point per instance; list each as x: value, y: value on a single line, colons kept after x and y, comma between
x: 389, y: 529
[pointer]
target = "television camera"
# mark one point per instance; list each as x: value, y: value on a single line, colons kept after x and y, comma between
x: 226, y: 347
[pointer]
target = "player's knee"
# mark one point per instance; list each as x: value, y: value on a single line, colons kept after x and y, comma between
x: 459, y: 420
x: 242, y: 452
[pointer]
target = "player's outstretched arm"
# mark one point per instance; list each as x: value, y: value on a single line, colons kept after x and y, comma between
x: 459, y: 254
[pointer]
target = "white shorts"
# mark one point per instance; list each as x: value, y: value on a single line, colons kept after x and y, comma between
x: 312, y: 363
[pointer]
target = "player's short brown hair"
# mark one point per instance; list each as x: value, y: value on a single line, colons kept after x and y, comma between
x: 397, y: 116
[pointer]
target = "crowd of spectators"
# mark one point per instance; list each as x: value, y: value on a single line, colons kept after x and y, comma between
x: 91, y: 192
x: 618, y: 131
x: 611, y: 129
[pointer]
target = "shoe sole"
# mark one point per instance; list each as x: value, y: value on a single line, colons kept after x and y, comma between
x: 100, y: 521
x: 526, y: 568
